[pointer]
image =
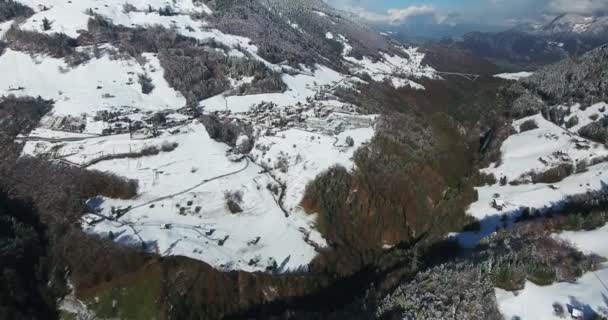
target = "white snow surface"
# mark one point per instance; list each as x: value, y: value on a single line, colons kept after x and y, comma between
x: 313, y: 154
x: 514, y: 76
x: 588, y: 242
x: 70, y: 17
x: 300, y: 87
x: 538, y: 150
x: 521, y: 153
x: 587, y: 294
x: 81, y: 89
x: 185, y: 177
x: 397, y: 69
x: 541, y: 149
x: 535, y: 151
x: 197, y: 174
x: 286, y: 240
x: 4, y: 26
x: 536, y: 303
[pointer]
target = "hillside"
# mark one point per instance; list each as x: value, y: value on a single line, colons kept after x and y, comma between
x: 202, y: 159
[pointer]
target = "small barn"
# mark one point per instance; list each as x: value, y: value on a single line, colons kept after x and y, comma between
x: 498, y: 204
x: 577, y: 314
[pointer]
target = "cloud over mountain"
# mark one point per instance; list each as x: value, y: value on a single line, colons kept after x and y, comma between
x: 584, y: 7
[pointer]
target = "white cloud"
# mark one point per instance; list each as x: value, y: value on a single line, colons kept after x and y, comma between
x: 401, y: 15
x: 584, y: 7
x: 397, y: 16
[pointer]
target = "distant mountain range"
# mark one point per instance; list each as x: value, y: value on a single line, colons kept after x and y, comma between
x: 532, y: 45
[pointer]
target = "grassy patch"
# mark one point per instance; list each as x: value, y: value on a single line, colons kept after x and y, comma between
x: 64, y: 315
x: 133, y: 296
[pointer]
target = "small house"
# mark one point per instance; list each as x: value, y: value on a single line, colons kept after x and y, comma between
x: 498, y: 204
x: 577, y: 314
x: 88, y: 219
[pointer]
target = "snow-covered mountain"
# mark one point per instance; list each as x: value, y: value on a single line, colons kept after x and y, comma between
x: 532, y: 45
x: 121, y: 88
x: 574, y: 23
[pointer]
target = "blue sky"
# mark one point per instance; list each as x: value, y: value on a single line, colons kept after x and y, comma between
x: 504, y: 13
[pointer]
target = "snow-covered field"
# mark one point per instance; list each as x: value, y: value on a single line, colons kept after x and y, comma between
x: 308, y: 154
x: 300, y: 88
x: 539, y: 150
x: 514, y: 76
x: 97, y: 85
x: 181, y: 209
x: 588, y: 242
x: 69, y: 17
x: 530, y: 152
x: 552, y: 146
x: 588, y: 294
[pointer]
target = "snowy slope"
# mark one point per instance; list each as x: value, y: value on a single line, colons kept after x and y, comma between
x: 99, y: 84
x: 396, y: 69
x: 70, y: 17
x: 181, y: 208
x: 300, y: 88
x: 588, y: 294
x: 196, y: 160
x: 313, y: 154
x: 588, y: 242
x: 541, y: 149
x: 536, y: 151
